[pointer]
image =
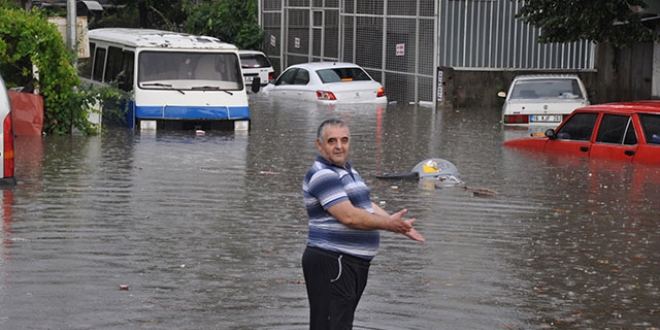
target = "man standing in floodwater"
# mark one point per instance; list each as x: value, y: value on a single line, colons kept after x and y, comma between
x: 343, y: 231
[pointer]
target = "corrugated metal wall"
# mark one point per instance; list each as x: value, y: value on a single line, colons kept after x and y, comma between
x: 485, y: 34
x: 402, y: 42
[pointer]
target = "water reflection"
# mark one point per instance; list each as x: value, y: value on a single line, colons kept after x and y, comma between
x: 207, y: 231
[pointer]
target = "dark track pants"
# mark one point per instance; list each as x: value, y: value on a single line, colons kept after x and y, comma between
x: 335, y: 282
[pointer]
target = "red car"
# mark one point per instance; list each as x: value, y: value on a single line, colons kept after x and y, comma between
x: 625, y: 131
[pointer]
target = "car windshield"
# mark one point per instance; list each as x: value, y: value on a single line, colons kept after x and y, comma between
x: 189, y: 70
x: 333, y: 75
x: 547, y: 88
x: 651, y: 127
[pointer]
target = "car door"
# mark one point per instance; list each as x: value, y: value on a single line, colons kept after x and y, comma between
x: 284, y: 86
x: 574, y: 136
x: 616, y: 138
x: 648, y: 151
x: 302, y: 86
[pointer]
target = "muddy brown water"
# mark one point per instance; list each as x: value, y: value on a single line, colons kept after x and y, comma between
x: 178, y: 231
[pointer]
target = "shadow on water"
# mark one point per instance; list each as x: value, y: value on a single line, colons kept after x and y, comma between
x: 206, y: 232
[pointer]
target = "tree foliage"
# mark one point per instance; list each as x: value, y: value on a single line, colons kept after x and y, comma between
x: 27, y: 39
x: 151, y: 14
x: 233, y: 21
x: 610, y: 21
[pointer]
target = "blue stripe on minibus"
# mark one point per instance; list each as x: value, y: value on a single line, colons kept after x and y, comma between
x: 192, y: 112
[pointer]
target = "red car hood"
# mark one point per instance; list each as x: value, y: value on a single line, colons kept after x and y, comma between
x: 532, y: 143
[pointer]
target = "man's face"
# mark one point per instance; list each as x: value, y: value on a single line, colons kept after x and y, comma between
x: 335, y: 145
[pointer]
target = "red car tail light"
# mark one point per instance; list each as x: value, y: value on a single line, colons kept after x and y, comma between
x: 381, y: 92
x: 270, y: 76
x: 8, y: 160
x: 516, y: 119
x: 325, y: 95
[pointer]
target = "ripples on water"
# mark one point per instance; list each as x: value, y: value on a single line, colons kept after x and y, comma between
x: 207, y: 231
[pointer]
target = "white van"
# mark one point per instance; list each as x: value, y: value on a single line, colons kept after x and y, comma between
x: 7, y: 140
x: 256, y: 64
x: 544, y: 100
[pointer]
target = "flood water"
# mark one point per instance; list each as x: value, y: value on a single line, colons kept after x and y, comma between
x: 178, y: 231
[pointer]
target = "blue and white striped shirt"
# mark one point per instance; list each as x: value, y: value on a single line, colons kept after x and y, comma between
x: 324, y: 186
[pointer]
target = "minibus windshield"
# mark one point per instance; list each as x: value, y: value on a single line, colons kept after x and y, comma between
x: 189, y: 71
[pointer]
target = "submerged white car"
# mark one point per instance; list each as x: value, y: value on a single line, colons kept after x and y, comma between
x: 543, y: 100
x: 327, y: 82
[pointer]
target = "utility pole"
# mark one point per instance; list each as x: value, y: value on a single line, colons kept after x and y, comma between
x: 71, y: 22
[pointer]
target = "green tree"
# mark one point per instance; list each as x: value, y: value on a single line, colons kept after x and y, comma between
x: 233, y: 21
x: 27, y: 39
x: 610, y: 21
x: 158, y: 14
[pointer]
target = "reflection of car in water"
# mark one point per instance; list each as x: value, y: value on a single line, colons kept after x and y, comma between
x: 542, y: 99
x: 627, y: 131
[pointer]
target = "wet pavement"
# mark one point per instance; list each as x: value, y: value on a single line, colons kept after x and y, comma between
x: 178, y: 231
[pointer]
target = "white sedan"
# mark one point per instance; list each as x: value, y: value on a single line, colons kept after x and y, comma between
x: 327, y: 82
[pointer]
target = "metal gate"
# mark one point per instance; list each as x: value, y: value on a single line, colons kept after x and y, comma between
x: 396, y: 49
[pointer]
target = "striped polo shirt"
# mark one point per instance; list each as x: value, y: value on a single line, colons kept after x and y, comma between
x: 324, y: 186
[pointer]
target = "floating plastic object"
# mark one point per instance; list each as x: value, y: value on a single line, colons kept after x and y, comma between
x: 440, y: 170
x: 436, y: 173
x: 433, y: 168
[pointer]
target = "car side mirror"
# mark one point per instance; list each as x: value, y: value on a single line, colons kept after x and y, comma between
x: 550, y: 133
x: 501, y: 94
x: 256, y: 84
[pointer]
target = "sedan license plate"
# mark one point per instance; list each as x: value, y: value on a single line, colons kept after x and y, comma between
x: 545, y: 118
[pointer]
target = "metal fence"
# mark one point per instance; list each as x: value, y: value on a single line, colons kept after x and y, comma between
x: 401, y: 43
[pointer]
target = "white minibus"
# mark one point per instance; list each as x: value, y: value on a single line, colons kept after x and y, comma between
x: 177, y: 80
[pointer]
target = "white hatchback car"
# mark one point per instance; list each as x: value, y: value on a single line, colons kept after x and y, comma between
x: 542, y: 100
x: 7, y: 139
x: 327, y: 82
x: 256, y: 64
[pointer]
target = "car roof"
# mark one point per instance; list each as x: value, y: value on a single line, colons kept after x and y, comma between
x: 649, y: 106
x: 247, y: 51
x: 324, y: 65
x: 149, y: 38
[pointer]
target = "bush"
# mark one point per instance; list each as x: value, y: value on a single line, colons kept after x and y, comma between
x: 27, y: 39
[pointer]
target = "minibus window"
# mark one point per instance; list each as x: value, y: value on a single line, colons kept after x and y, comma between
x: 85, y: 63
x: 114, y: 64
x: 99, y: 60
x: 126, y: 78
